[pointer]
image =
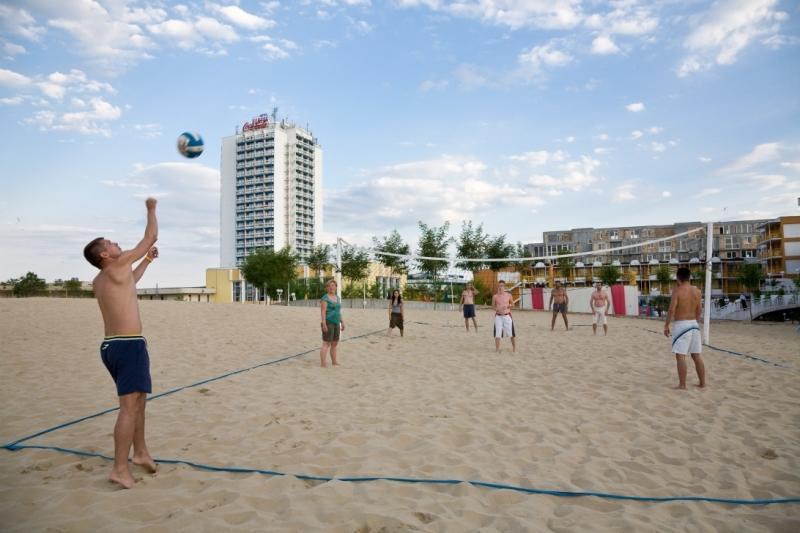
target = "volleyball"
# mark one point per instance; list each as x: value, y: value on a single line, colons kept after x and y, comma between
x: 190, y: 144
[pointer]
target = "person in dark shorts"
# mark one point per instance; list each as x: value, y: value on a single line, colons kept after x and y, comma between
x: 332, y: 323
x: 395, y: 313
x: 124, y: 350
x: 468, y: 305
x: 559, y: 301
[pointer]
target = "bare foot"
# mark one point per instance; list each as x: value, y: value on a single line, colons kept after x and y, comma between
x: 122, y: 478
x: 323, y: 365
x: 146, y: 462
x: 701, y: 385
x: 680, y: 387
x: 335, y: 363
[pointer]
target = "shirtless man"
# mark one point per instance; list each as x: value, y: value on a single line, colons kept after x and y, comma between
x: 559, y: 302
x: 503, y: 323
x: 124, y: 350
x: 598, y: 302
x: 684, y: 313
x: 468, y: 305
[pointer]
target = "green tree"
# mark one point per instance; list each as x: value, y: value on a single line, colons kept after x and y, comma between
x: 751, y: 276
x: 498, y: 248
x: 471, y: 244
x: 355, y: 264
x: 564, y: 264
x: 319, y: 259
x: 664, y: 277
x: 609, y: 274
x: 29, y: 285
x: 72, y: 285
x: 271, y: 270
x: 394, y: 244
x: 433, y: 242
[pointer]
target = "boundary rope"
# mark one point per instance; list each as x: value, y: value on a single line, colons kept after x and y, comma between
x: 432, y: 481
x: 10, y: 445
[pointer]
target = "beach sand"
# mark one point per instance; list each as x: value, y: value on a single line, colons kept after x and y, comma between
x: 568, y: 412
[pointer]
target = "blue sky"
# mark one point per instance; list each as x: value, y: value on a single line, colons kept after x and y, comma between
x: 527, y: 116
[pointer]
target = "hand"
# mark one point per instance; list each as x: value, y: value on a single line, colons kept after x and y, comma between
x: 153, y: 253
x: 150, y: 203
x: 666, y: 330
x: 324, y: 328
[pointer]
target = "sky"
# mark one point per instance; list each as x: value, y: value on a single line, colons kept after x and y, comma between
x: 524, y: 115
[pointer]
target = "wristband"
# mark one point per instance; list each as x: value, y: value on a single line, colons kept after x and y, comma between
x: 148, y: 258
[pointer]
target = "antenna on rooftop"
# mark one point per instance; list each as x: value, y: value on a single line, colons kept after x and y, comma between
x: 274, y: 113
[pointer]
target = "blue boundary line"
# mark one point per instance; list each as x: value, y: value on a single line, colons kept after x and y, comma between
x: 731, y: 352
x: 11, y: 445
x: 16, y: 446
x: 430, y: 481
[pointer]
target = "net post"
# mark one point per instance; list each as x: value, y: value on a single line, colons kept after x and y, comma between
x: 338, y: 275
x: 709, y: 264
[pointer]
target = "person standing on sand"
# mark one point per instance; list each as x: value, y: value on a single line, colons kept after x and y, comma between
x: 684, y: 313
x: 332, y: 323
x: 559, y: 301
x: 468, y: 305
x: 599, y: 303
x: 124, y: 350
x: 395, y: 313
x: 503, y: 323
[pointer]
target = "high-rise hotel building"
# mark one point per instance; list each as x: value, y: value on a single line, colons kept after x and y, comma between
x: 271, y: 174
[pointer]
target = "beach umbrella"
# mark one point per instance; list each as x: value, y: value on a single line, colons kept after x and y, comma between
x: 674, y: 261
x: 694, y: 260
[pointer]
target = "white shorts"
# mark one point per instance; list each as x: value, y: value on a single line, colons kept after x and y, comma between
x: 599, y: 315
x: 686, y: 338
x: 503, y: 324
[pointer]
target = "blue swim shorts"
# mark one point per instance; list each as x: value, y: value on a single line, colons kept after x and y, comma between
x: 126, y: 359
x: 469, y: 310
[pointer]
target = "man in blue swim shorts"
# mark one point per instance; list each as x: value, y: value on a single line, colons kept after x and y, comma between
x: 124, y: 350
x: 684, y: 313
x: 468, y: 305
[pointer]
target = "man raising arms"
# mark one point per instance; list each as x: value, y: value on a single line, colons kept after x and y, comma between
x: 600, y: 304
x: 684, y: 311
x: 468, y: 305
x: 559, y: 302
x: 503, y: 323
x: 124, y: 350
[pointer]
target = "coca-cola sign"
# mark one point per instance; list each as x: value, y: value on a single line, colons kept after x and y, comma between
x: 258, y: 123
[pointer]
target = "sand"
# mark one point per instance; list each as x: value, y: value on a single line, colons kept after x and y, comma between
x: 568, y: 412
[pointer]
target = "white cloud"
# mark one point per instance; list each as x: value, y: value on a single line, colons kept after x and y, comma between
x: 704, y: 159
x: 274, y: 51
x: 793, y: 166
x: 636, y: 107
x: 14, y: 100
x: 540, y: 157
x: 666, y: 194
x: 655, y: 130
x: 604, y: 45
x: 708, y: 192
x: 623, y: 193
x: 432, y: 85
x: 769, y: 181
x: 91, y: 121
x: 627, y: 18
x: 571, y: 175
x: 636, y: 134
x: 514, y: 14
x: 762, y: 153
x: 727, y: 28
x: 18, y: 21
x: 13, y: 49
x: 9, y: 78
x: 244, y: 19
x: 570, y: 139
x: 658, y: 147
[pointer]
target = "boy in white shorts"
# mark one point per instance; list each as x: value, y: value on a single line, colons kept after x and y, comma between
x: 503, y: 323
x: 684, y: 313
x: 600, y: 304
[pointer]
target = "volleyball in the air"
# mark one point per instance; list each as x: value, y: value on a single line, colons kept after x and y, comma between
x: 190, y: 144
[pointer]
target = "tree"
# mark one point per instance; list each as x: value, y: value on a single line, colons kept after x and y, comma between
x: 608, y: 274
x: 269, y: 269
x: 664, y: 277
x: 433, y: 242
x: 564, y: 264
x: 319, y: 259
x: 751, y: 276
x: 72, y: 285
x: 394, y: 244
x: 355, y: 263
x: 471, y: 244
x: 498, y: 248
x: 28, y: 285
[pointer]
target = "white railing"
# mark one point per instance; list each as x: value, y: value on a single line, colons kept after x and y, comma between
x: 735, y: 310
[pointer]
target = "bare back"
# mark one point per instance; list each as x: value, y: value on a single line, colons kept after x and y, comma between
x: 685, y: 302
x: 115, y: 290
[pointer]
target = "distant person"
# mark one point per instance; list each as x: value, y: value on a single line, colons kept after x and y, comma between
x: 124, y: 350
x: 503, y: 322
x: 743, y: 301
x: 558, y: 303
x: 332, y: 323
x: 600, y: 304
x: 468, y: 305
x: 395, y: 313
x: 684, y: 313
